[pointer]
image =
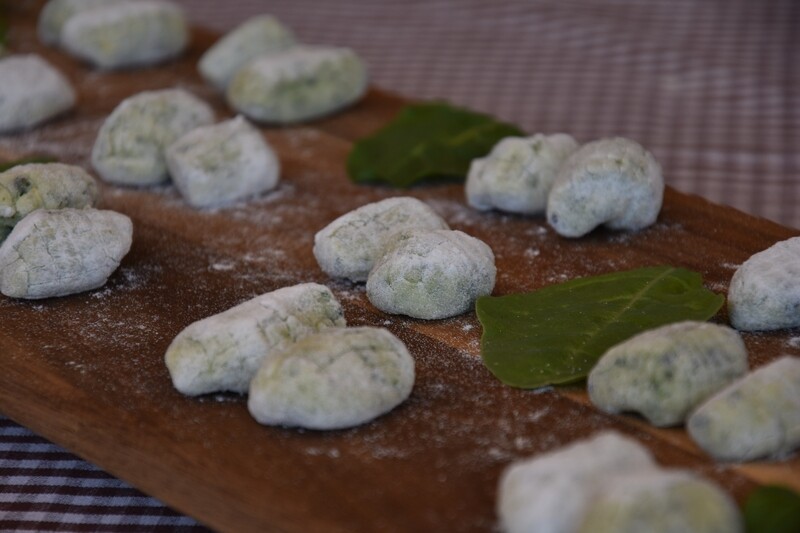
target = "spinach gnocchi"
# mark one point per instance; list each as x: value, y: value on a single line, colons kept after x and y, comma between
x: 32, y: 92
x: 126, y: 34
x: 337, y: 378
x: 66, y: 251
x: 661, y: 502
x: 298, y: 84
x: 609, y: 483
x: 551, y: 492
x: 666, y: 372
x: 256, y: 37
x: 129, y: 149
x: 764, y: 293
x: 432, y: 274
x: 223, y: 352
x: 26, y: 188
x: 518, y: 173
x: 349, y: 246
x: 57, y: 12
x: 757, y: 416
x: 612, y: 182
x: 215, y: 165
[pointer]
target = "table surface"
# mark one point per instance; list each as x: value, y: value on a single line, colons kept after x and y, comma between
x: 706, y: 86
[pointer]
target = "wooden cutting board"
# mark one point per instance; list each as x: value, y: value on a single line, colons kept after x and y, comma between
x: 87, y: 371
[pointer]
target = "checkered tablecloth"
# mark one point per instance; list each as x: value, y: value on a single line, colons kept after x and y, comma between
x: 709, y: 86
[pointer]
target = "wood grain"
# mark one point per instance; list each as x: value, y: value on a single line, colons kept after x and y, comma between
x: 87, y: 371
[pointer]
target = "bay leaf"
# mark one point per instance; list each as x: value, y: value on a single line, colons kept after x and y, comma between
x: 427, y: 141
x: 772, y: 509
x: 556, y: 335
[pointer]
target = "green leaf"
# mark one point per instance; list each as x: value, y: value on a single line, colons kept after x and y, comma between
x: 425, y: 142
x: 5, y: 165
x: 556, y: 335
x: 772, y: 509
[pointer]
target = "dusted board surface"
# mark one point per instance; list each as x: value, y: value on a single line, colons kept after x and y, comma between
x: 87, y: 370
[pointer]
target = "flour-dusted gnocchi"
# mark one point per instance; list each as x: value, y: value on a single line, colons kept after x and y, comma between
x: 432, y: 274
x: 298, y: 84
x: 661, y: 501
x: 64, y: 251
x: 551, y: 492
x: 56, y: 13
x: 26, y: 188
x: 349, y: 246
x: 31, y: 92
x: 666, y: 372
x: 757, y: 416
x: 215, y: 165
x: 126, y: 34
x: 337, y: 378
x: 764, y: 293
x: 615, y: 182
x: 518, y: 173
x: 223, y: 352
x: 129, y: 149
x: 256, y: 37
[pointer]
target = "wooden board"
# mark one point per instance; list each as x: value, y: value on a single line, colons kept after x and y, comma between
x: 87, y: 371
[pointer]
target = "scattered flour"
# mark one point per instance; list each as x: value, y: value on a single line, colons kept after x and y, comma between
x: 333, y: 453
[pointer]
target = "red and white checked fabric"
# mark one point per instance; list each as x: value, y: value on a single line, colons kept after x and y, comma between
x: 709, y: 86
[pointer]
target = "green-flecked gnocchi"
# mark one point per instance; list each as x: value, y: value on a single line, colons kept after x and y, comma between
x: 26, y: 188
x: 129, y: 149
x: 518, y: 173
x: 31, y: 92
x: 222, y: 163
x: 65, y: 251
x: 764, y: 293
x: 661, y: 502
x: 609, y: 483
x: 754, y: 417
x: 666, y: 372
x: 256, y: 37
x: 299, y: 84
x: 432, y: 274
x: 612, y: 182
x: 335, y: 379
x: 349, y: 246
x: 551, y: 492
x: 56, y: 13
x: 223, y: 352
x: 126, y: 34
